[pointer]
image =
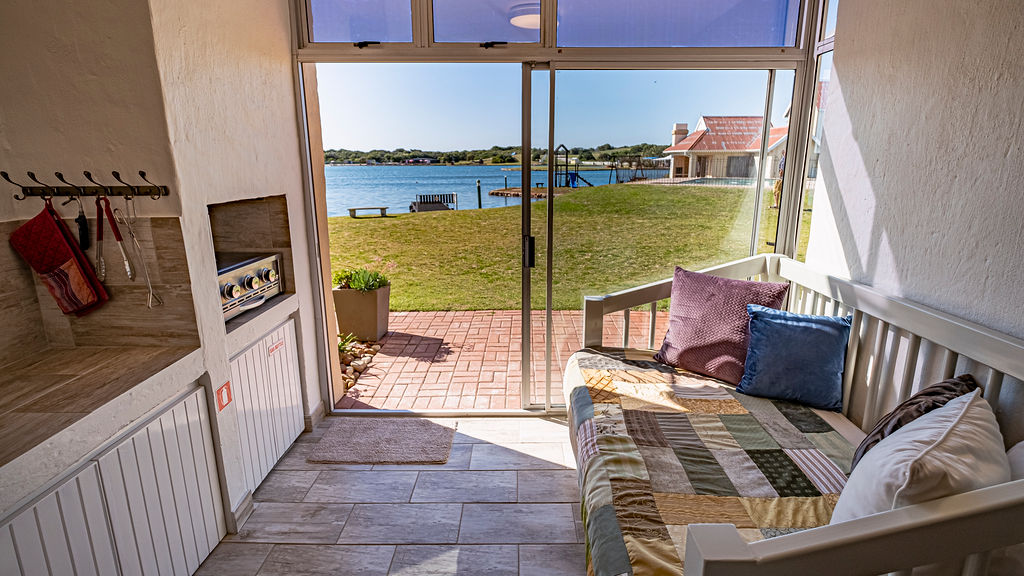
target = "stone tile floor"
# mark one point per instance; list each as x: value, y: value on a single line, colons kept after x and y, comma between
x: 472, y: 359
x: 506, y: 502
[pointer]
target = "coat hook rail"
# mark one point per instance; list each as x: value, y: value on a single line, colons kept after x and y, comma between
x: 43, y: 190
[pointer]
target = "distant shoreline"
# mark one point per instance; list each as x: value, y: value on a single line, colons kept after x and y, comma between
x: 504, y: 167
x: 415, y: 165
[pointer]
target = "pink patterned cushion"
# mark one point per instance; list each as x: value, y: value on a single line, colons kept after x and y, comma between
x: 708, y: 322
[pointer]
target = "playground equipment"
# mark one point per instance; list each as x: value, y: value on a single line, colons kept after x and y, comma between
x: 635, y: 168
x: 567, y: 173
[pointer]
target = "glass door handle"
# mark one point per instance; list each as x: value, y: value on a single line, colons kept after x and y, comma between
x: 529, y: 251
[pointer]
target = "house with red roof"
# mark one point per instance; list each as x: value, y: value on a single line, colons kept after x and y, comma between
x: 724, y: 147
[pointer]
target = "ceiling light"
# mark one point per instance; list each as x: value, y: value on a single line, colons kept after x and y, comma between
x: 525, y: 15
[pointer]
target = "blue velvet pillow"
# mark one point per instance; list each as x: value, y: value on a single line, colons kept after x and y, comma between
x: 796, y: 357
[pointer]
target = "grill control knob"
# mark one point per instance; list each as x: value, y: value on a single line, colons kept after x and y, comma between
x: 268, y: 275
x: 230, y: 291
x: 251, y: 282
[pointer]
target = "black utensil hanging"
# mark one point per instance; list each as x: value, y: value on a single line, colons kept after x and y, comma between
x: 84, y: 240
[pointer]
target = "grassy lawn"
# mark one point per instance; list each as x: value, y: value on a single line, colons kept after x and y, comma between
x: 606, y: 238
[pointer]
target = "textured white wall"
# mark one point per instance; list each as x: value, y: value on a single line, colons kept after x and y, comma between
x: 200, y: 95
x: 226, y: 72
x: 80, y: 92
x: 922, y: 174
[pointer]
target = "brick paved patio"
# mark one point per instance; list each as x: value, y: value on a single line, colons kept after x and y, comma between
x: 471, y: 359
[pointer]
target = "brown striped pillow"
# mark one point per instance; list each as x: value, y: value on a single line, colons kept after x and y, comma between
x: 928, y: 399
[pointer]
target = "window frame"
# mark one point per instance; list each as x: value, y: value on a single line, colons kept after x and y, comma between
x: 424, y: 48
x: 800, y: 58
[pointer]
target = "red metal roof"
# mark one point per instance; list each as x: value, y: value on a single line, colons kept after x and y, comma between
x: 727, y: 133
x: 774, y: 135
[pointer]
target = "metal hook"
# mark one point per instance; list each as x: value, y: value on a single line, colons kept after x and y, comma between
x: 22, y: 195
x: 49, y: 188
x: 88, y: 176
x: 130, y: 187
x: 78, y: 189
x: 156, y: 196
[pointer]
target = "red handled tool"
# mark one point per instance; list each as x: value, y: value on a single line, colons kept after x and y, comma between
x: 128, y: 268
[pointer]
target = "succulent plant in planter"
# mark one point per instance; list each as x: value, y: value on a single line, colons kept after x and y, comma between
x: 362, y: 301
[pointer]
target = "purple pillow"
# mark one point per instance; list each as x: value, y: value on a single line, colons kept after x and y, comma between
x: 708, y: 322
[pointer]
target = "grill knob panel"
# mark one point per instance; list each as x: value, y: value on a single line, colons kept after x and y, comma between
x: 251, y: 282
x: 230, y: 291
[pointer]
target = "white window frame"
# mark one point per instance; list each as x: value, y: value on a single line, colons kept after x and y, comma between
x: 800, y: 58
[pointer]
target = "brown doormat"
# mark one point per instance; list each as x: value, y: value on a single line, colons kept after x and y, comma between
x: 389, y: 440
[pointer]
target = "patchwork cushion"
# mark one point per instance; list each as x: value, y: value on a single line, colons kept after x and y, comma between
x: 928, y: 399
x: 658, y: 449
x: 707, y: 326
x: 796, y: 357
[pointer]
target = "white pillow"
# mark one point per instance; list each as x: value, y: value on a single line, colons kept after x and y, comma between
x: 1009, y: 561
x: 953, y: 449
x: 1016, y: 457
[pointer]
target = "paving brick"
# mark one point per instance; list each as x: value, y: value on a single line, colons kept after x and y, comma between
x: 472, y: 359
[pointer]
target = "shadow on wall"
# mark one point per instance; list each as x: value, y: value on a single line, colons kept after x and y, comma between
x: 921, y: 167
x: 921, y: 159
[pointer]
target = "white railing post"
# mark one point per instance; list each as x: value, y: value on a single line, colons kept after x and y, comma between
x: 593, y: 321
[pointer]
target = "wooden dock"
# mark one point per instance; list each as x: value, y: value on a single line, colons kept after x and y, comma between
x: 535, y: 193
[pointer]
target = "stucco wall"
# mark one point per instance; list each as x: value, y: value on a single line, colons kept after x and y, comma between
x: 201, y: 96
x: 226, y: 72
x: 80, y: 92
x: 920, y: 191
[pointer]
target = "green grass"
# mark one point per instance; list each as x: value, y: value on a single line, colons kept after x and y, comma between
x: 606, y: 238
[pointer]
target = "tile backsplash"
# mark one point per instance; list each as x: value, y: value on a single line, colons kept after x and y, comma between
x: 19, y: 309
x: 125, y: 320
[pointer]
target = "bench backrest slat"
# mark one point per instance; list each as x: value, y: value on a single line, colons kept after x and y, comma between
x: 898, y: 346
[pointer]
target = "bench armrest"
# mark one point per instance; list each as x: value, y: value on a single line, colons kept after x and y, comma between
x: 943, y: 530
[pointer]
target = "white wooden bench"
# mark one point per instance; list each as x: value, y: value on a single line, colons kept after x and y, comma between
x: 383, y: 210
x: 896, y: 347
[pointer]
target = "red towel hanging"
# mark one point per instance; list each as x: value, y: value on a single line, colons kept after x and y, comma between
x: 47, y: 245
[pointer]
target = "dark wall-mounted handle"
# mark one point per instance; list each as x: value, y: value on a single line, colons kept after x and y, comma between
x: 529, y: 251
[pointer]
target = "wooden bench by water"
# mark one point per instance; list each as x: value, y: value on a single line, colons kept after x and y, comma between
x: 383, y: 210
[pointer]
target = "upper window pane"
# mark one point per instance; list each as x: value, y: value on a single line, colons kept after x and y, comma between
x: 831, y: 9
x: 361, y: 20
x: 487, y: 21
x: 673, y: 23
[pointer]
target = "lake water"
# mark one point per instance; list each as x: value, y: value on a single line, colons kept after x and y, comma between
x: 397, y: 186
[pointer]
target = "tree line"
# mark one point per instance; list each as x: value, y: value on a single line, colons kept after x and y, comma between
x: 492, y: 155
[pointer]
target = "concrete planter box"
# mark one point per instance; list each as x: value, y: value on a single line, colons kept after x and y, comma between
x: 362, y: 314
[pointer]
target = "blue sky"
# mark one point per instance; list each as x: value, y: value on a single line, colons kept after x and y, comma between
x: 468, y: 106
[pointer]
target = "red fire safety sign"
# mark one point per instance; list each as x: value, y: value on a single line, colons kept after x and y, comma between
x: 224, y: 396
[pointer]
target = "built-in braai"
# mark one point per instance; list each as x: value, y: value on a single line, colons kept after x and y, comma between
x: 247, y: 280
x: 252, y: 245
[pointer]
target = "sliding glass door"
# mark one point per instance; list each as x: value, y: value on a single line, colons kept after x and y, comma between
x: 644, y: 170
x: 623, y: 170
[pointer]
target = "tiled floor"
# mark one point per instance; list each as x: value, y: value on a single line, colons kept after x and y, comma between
x: 471, y: 360
x: 506, y: 502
